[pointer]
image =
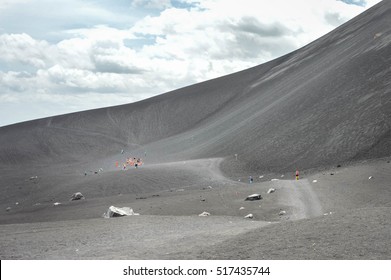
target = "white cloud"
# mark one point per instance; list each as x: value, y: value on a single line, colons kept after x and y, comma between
x: 152, y: 4
x: 176, y: 47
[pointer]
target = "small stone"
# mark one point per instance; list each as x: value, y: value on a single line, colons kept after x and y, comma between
x: 204, y: 214
x: 282, y: 212
x: 253, y: 197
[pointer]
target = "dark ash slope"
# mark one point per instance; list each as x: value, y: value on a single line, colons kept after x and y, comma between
x: 328, y: 102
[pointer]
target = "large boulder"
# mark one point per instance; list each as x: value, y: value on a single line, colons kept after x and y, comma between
x: 114, y: 212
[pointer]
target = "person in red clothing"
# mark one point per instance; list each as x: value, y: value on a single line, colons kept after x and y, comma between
x: 297, y: 174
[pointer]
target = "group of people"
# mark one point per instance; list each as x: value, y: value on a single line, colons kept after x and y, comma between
x: 134, y: 162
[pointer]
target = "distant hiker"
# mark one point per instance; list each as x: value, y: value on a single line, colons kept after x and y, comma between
x: 250, y: 180
x: 116, y: 164
x: 297, y: 174
x: 136, y: 165
x: 85, y: 173
x: 122, y: 151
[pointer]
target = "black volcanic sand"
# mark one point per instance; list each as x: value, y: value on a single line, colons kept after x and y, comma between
x: 341, y: 216
x: 325, y: 105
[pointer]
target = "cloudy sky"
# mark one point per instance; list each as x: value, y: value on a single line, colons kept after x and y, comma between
x: 61, y: 56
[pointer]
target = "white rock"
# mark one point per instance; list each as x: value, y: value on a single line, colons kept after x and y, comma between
x: 241, y: 208
x: 254, y: 196
x: 204, y: 214
x: 249, y: 216
x: 370, y: 177
x: 273, y: 180
x: 77, y: 196
x: 56, y: 203
x: 314, y: 181
x: 271, y: 190
x: 113, y: 212
x: 260, y: 177
x: 282, y: 212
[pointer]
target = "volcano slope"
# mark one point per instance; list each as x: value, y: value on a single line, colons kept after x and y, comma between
x: 324, y: 105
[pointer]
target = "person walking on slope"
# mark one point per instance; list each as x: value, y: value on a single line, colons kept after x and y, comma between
x: 250, y: 180
x: 297, y: 174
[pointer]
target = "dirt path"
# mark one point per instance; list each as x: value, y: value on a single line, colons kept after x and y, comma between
x: 300, y: 196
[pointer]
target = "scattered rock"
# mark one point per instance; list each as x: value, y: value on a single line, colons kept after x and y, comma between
x: 114, y: 212
x: 282, y: 212
x: 249, y: 216
x: 253, y: 197
x: 260, y: 177
x: 8, y: 209
x: 271, y: 190
x: 33, y: 177
x: 180, y: 190
x: 141, y: 197
x: 77, y: 196
x: 203, y: 199
x: 241, y: 208
x: 315, y: 181
x: 204, y: 214
x: 273, y: 180
x: 16, y: 203
x: 56, y: 203
x: 338, y: 166
x: 282, y: 176
x: 331, y: 173
x: 370, y: 178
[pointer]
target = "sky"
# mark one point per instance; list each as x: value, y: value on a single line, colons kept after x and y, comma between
x: 62, y: 56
